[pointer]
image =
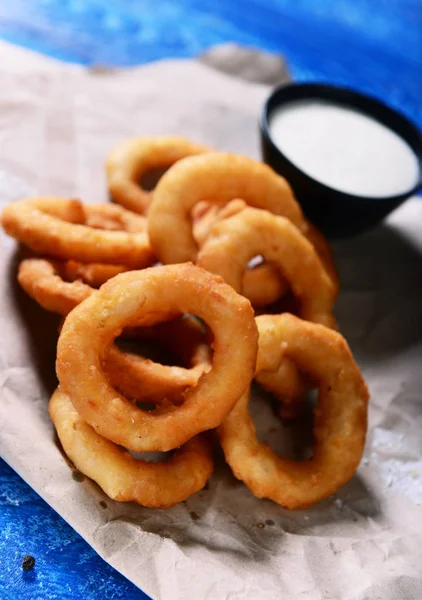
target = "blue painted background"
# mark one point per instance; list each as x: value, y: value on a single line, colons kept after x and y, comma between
x: 373, y: 46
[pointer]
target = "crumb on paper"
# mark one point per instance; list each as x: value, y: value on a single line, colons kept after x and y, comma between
x: 28, y: 562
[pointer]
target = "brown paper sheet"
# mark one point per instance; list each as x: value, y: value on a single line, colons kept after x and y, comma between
x: 56, y: 124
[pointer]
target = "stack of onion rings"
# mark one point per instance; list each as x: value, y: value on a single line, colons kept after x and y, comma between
x: 216, y: 178
x: 252, y: 231
x: 203, y: 183
x: 144, y: 298
x: 122, y: 477
x: 237, y: 219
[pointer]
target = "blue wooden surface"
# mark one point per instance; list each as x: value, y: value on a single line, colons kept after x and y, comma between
x: 372, y: 46
x: 66, y: 567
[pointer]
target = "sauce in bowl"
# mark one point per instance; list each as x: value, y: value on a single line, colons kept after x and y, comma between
x: 344, y: 148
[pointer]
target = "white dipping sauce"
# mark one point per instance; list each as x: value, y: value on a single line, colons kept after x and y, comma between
x: 345, y: 149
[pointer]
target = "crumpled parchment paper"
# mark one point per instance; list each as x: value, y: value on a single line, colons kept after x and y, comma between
x: 57, y: 123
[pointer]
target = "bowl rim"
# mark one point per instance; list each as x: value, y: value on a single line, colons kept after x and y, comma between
x: 345, y: 96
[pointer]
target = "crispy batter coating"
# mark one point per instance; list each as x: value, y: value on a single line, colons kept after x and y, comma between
x: 48, y: 226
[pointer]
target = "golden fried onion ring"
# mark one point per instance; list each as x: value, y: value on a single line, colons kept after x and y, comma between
x: 216, y: 178
x: 144, y: 298
x: 252, y: 232
x: 340, y: 417
x: 42, y: 279
x: 122, y: 477
x: 42, y: 224
x: 112, y: 218
x: 132, y: 374
x: 56, y: 284
x: 131, y: 159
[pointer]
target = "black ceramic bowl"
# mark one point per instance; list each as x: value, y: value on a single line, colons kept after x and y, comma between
x: 337, y: 213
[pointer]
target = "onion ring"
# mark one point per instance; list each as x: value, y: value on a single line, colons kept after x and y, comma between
x: 340, y: 417
x: 216, y: 178
x: 132, y: 374
x: 132, y: 158
x: 144, y: 298
x: 42, y: 279
x: 102, y: 216
x: 253, y: 232
x: 56, y: 285
x: 40, y: 224
x: 122, y: 477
